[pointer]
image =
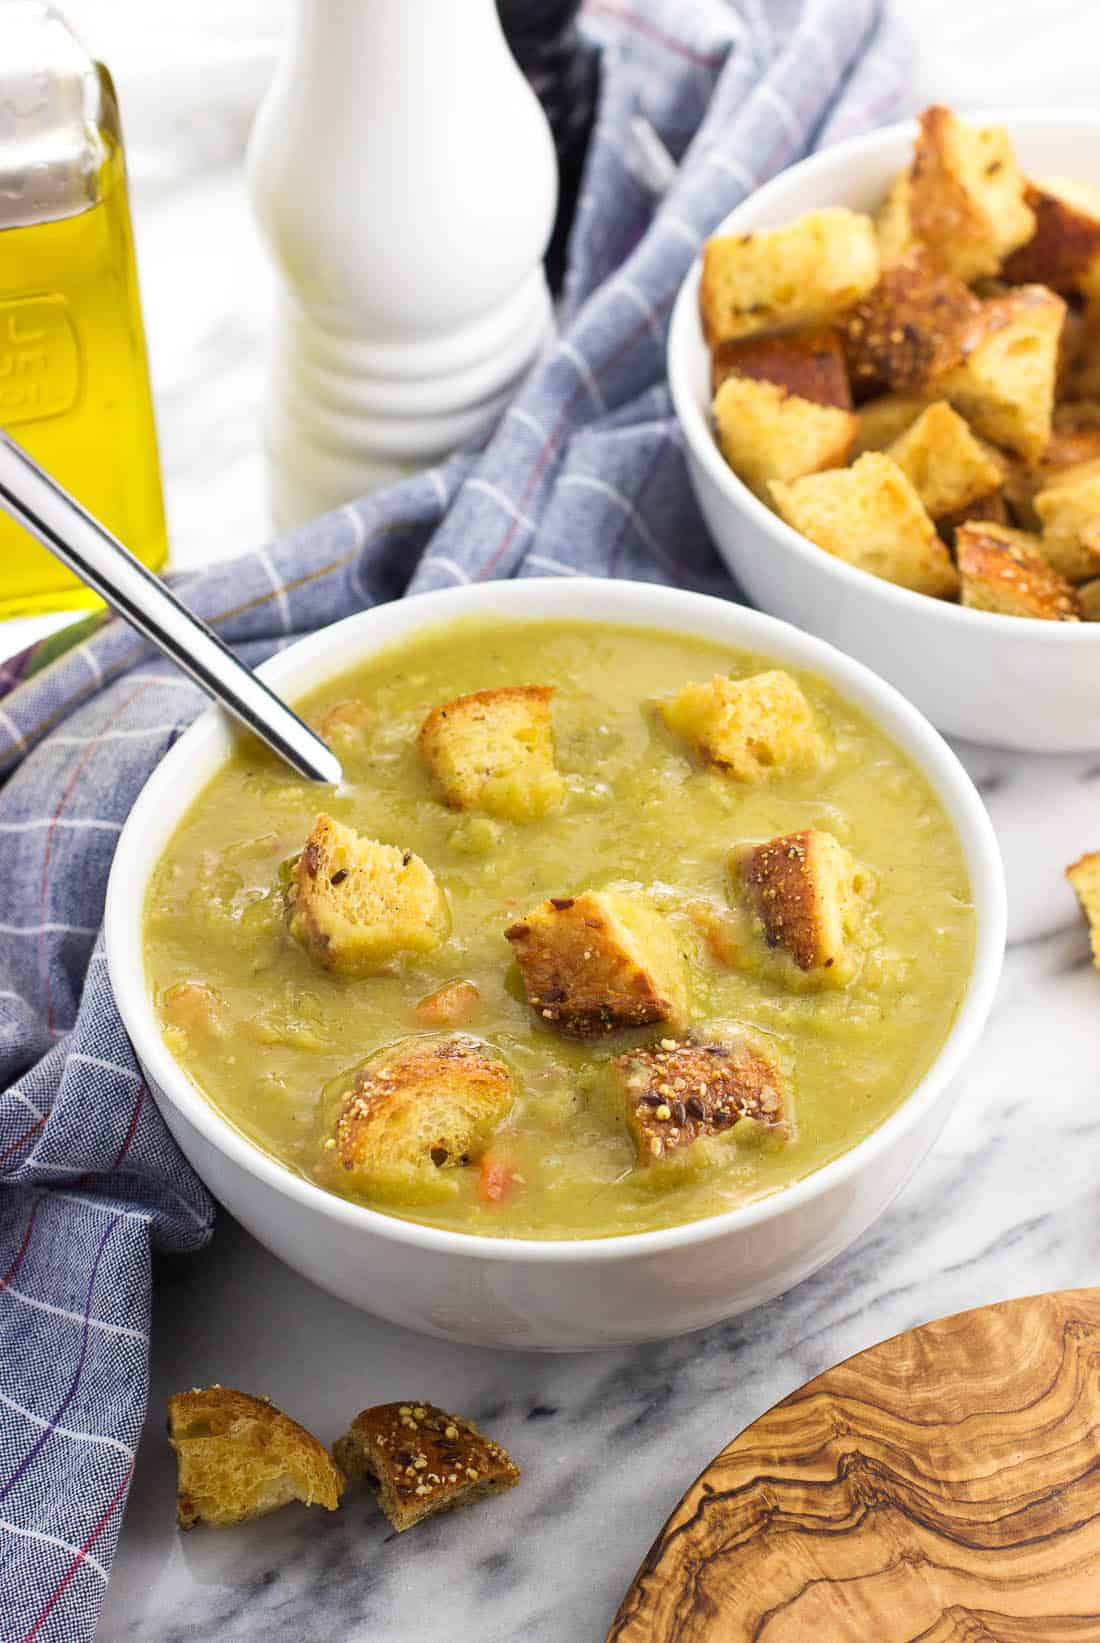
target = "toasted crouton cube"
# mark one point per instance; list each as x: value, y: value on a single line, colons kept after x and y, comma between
x: 416, y: 1113
x: 947, y: 466
x: 453, y: 1005
x: 870, y: 516
x: 991, y: 508
x: 419, y: 1460
x: 885, y: 419
x: 966, y: 194
x: 1064, y: 251
x: 239, y: 1458
x: 494, y: 751
x: 1088, y: 597
x: 1084, y: 875
x: 1004, y: 387
x: 747, y: 727
x: 893, y: 226
x: 807, y: 363
x: 802, y: 274
x: 767, y: 433
x: 1067, y: 508
x: 910, y: 328
x: 1004, y: 570
x: 597, y: 961
x: 355, y: 904
x: 674, y: 1094
x: 805, y: 894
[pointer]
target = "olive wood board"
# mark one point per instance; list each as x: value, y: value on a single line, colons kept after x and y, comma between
x: 941, y: 1486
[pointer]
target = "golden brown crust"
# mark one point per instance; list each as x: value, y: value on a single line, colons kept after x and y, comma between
x: 1084, y: 875
x: 945, y: 463
x: 239, y: 1458
x: 990, y: 509
x: 807, y: 363
x: 767, y: 433
x: 1064, y: 246
x: 801, y: 274
x: 800, y: 887
x: 1004, y: 384
x: 911, y: 328
x: 1004, y: 571
x: 420, y: 1461
x: 965, y: 196
x: 598, y: 961
x: 674, y: 1093
x: 493, y: 750
x: 747, y: 728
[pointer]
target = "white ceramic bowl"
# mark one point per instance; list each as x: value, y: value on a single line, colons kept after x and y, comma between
x: 552, y: 1295
x: 1005, y: 680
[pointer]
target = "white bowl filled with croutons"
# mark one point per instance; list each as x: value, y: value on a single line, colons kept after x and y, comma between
x: 886, y: 364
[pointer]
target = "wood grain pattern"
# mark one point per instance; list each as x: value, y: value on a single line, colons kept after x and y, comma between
x: 943, y: 1486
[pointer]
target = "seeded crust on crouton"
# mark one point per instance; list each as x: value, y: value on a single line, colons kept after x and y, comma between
x: 239, y: 1458
x: 885, y: 419
x: 805, y: 273
x: 1004, y: 570
x: 747, y: 728
x: 804, y: 891
x: 494, y: 751
x: 597, y: 961
x: 420, y: 1461
x: 674, y: 1093
x: 966, y: 194
x: 991, y: 508
x: 870, y: 515
x: 807, y: 363
x: 1004, y: 386
x: 415, y: 1113
x: 910, y: 328
x: 946, y: 465
x: 355, y: 904
x: 1064, y: 251
x: 1084, y: 875
x: 766, y: 433
x: 1067, y: 509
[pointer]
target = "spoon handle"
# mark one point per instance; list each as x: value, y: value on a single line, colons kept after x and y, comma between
x: 70, y: 532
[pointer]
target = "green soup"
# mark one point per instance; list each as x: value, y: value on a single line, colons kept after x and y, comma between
x: 264, y: 1031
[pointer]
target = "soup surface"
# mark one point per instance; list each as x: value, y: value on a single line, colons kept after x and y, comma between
x: 268, y: 1034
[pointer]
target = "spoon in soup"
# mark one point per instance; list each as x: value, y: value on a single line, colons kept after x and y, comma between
x: 74, y: 536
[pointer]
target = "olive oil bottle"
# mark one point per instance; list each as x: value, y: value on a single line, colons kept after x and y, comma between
x: 74, y: 382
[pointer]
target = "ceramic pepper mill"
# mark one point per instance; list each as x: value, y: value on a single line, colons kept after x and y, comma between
x: 403, y: 175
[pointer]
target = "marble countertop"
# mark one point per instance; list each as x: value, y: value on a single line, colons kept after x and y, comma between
x: 1006, y: 1204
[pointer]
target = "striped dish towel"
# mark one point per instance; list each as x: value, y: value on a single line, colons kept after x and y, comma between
x: 584, y: 474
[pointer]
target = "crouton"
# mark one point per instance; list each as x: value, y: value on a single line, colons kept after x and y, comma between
x: 885, y: 419
x: 767, y: 433
x: 415, y: 1113
x: 804, y: 892
x: 355, y: 904
x: 420, y: 1461
x: 1067, y: 507
x: 1084, y: 875
x: 946, y: 465
x: 911, y: 328
x: 452, y: 1005
x: 747, y: 728
x: 870, y: 516
x: 807, y: 363
x: 1004, y: 570
x: 597, y: 961
x: 1004, y: 386
x: 1088, y: 597
x: 673, y: 1094
x: 1064, y: 251
x: 893, y: 225
x: 494, y: 751
x: 778, y: 278
x: 966, y: 194
x: 239, y: 1458
x: 991, y: 508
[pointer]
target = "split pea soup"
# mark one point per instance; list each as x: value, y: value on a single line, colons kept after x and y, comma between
x: 745, y: 1071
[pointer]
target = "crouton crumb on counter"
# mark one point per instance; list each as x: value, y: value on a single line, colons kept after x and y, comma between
x: 1084, y: 876
x: 969, y: 344
x: 239, y: 1458
x: 421, y: 1461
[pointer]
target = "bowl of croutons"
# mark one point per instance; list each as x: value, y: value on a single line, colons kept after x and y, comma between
x: 886, y: 364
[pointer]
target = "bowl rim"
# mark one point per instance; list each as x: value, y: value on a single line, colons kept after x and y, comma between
x: 173, y: 785
x: 684, y: 328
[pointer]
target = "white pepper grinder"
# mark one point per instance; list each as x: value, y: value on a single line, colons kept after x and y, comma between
x: 404, y: 177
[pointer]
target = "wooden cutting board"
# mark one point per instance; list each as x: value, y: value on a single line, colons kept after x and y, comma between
x: 943, y: 1486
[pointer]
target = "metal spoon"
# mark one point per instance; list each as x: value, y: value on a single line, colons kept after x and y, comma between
x: 71, y: 533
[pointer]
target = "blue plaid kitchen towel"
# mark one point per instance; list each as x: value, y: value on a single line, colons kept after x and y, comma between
x: 584, y: 474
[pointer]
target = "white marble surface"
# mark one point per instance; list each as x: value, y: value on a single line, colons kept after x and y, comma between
x: 1007, y: 1203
